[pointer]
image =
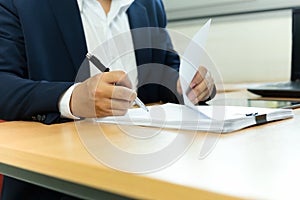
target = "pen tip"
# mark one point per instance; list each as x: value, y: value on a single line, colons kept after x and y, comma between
x: 145, y: 108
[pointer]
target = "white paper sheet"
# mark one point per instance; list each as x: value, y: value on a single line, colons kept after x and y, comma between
x: 191, y: 61
x: 206, y: 118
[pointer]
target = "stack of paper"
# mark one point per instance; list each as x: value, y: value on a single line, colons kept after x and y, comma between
x: 206, y: 118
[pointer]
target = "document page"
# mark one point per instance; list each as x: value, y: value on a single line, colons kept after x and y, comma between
x: 191, y: 61
x: 204, y: 118
x: 165, y: 116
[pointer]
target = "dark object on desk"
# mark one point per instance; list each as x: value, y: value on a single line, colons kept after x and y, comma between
x: 292, y: 87
x: 282, y: 89
x: 272, y: 103
x: 261, y: 103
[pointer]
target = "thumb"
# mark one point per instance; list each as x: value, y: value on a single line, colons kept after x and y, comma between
x: 179, y: 90
x: 118, y: 77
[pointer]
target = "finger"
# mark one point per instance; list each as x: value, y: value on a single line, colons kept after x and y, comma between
x: 125, y: 81
x: 199, y: 77
x: 196, y: 91
x: 111, y: 113
x: 199, y: 91
x: 179, y: 89
x: 209, y: 83
x: 107, y: 90
x: 118, y: 112
x: 202, y: 91
x: 210, y: 87
x: 201, y: 97
x: 123, y: 93
x: 110, y: 107
x: 116, y: 104
x: 117, y: 77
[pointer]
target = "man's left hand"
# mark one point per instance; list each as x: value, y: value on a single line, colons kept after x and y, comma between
x: 202, y: 86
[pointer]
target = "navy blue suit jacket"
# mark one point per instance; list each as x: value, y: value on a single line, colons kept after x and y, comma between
x: 42, y: 46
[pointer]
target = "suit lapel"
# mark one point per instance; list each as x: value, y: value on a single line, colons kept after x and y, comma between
x: 138, y: 18
x: 69, y: 21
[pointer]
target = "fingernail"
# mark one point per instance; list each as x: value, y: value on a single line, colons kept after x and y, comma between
x: 192, y: 85
x: 191, y: 96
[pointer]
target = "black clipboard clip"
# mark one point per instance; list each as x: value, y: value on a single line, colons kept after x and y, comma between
x: 260, y: 119
x: 251, y: 114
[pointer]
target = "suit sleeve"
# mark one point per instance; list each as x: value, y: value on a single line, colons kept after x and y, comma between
x: 20, y: 97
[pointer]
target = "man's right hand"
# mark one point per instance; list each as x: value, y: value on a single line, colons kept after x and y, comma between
x: 104, y: 94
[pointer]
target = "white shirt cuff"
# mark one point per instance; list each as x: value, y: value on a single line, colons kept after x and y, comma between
x: 64, y: 104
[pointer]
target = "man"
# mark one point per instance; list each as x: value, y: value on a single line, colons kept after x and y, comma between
x: 44, y: 42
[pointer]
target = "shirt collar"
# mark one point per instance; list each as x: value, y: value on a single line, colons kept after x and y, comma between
x: 123, y: 3
x: 80, y: 4
x: 120, y: 6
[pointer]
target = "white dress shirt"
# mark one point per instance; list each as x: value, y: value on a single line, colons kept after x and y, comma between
x: 99, y: 29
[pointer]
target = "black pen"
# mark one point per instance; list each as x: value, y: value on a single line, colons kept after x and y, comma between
x: 102, y: 68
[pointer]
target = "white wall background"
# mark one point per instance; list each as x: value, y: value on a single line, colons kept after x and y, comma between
x: 249, y: 47
x: 178, y: 9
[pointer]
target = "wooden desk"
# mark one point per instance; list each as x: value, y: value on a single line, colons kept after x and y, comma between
x: 260, y: 162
